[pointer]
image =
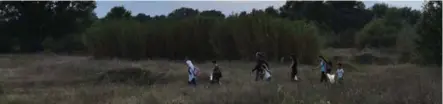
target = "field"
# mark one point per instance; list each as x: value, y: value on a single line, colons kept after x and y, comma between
x: 51, y: 79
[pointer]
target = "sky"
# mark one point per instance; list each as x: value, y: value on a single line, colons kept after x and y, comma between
x: 227, y: 7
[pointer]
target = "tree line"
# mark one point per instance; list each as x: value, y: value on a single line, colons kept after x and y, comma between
x: 300, y: 27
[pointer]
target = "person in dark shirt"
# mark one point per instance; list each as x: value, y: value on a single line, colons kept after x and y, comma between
x: 216, y: 74
x: 294, y: 70
x: 259, y: 66
x: 329, y: 67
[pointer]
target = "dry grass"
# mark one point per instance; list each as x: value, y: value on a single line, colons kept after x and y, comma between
x: 39, y: 79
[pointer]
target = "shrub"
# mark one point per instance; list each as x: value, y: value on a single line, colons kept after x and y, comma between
x: 405, y: 43
x: 376, y: 34
x: 205, y: 38
x: 276, y: 37
x: 68, y: 43
x: 429, y: 30
x: 116, y: 38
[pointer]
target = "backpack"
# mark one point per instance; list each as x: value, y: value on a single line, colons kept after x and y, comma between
x: 196, y: 71
x: 328, y: 66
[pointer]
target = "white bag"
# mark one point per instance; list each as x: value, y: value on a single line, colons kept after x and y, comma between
x: 210, y: 77
x: 295, y: 78
x: 267, y: 74
x: 331, y: 77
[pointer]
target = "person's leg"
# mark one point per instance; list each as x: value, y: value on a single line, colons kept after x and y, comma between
x: 323, y: 77
x: 340, y: 80
x: 295, y: 74
x: 260, y: 75
x: 217, y: 81
x: 214, y: 81
x: 263, y: 73
x: 257, y: 75
x: 193, y: 82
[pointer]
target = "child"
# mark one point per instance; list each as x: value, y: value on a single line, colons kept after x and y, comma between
x: 261, y: 62
x: 340, y: 72
x: 191, y: 73
x: 216, y: 74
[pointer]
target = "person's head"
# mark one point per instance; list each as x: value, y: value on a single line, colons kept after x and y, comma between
x: 259, y: 55
x: 186, y: 58
x: 340, y: 65
x: 293, y: 58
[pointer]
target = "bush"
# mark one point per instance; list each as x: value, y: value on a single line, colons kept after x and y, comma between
x: 276, y: 37
x: 205, y: 38
x: 116, y: 38
x: 68, y: 43
x: 429, y: 30
x: 405, y: 43
x: 376, y: 34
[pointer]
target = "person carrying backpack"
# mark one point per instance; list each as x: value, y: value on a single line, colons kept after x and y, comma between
x: 216, y: 73
x: 192, y: 73
x: 322, y: 66
x: 259, y: 66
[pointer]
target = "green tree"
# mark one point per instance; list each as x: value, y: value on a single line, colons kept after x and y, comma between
x: 379, y: 9
x: 142, y: 17
x: 118, y: 12
x: 183, y: 12
x: 212, y: 13
x: 429, y: 30
x: 377, y: 34
x: 272, y: 11
x: 405, y: 43
x: 30, y: 22
x: 116, y: 38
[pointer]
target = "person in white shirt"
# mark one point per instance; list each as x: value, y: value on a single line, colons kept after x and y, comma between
x: 340, y: 72
x: 191, y: 73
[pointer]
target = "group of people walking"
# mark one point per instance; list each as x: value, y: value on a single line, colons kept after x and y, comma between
x: 326, y: 69
x: 262, y: 71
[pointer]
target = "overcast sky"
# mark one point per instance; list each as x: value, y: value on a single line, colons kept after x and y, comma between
x: 227, y: 7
